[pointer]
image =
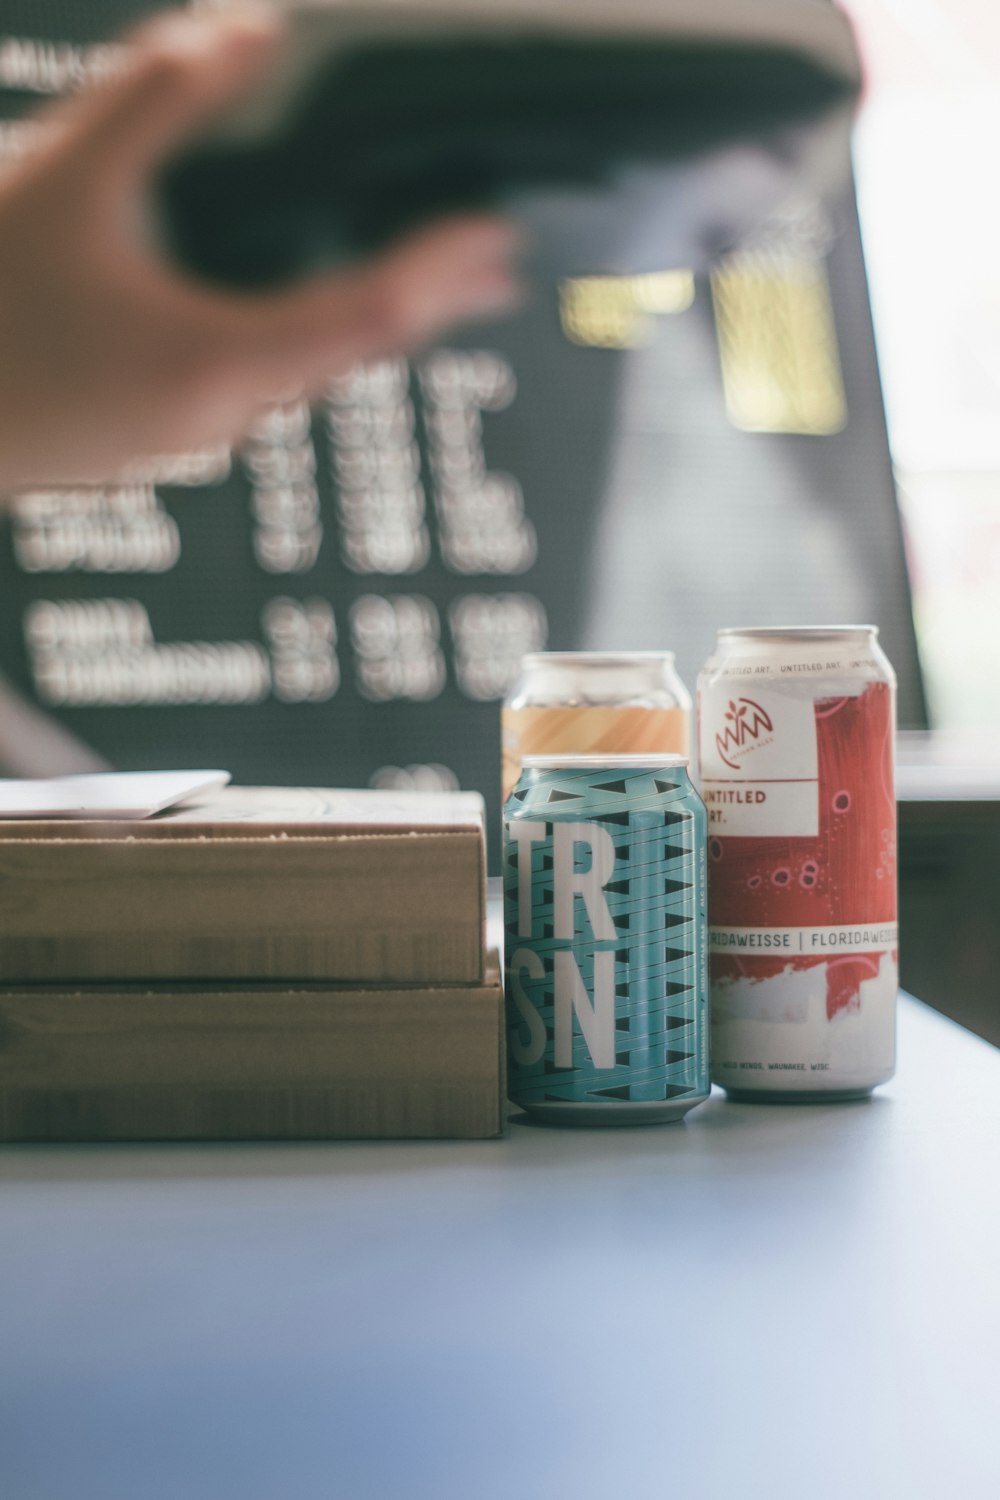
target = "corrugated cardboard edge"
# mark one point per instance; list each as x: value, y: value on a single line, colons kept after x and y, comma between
x: 345, y: 907
x: 237, y: 812
x: 88, y: 1065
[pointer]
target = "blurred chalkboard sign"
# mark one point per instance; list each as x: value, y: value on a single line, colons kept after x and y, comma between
x: 628, y: 463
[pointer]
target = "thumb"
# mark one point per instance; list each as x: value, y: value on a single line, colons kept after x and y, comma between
x: 180, y: 71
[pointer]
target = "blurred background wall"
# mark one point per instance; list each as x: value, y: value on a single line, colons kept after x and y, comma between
x: 628, y: 463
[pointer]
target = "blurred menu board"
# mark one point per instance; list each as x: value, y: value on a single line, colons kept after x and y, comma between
x: 343, y: 599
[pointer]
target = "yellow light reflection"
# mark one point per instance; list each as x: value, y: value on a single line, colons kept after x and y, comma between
x: 616, y: 312
x: 778, y: 344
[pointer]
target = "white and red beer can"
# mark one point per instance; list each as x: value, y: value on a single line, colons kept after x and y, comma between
x: 796, y: 734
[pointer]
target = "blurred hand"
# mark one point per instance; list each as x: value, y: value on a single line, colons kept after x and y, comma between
x: 108, y: 353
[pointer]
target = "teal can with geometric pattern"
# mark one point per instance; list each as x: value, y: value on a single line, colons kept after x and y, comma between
x: 606, y: 939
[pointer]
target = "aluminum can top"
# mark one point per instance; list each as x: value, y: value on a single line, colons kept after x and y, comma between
x: 610, y: 762
x: 564, y: 679
x: 823, y: 654
x: 806, y: 633
x: 592, y: 658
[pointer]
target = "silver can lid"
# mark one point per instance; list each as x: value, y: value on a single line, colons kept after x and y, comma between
x: 620, y: 762
x: 593, y: 658
x: 799, y: 632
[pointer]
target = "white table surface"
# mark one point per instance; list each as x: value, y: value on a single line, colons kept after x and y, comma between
x: 765, y: 1301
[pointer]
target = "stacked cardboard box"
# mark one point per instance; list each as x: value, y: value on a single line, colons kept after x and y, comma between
x: 262, y: 963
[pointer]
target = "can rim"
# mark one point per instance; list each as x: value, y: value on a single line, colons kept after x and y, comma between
x: 803, y: 632
x: 594, y: 658
x: 626, y: 762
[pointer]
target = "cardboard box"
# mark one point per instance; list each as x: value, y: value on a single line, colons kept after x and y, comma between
x: 254, y: 883
x: 251, y: 1062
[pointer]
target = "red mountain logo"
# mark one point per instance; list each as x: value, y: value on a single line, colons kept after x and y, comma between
x: 746, y: 721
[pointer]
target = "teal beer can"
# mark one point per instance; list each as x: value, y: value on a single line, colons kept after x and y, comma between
x: 606, y: 939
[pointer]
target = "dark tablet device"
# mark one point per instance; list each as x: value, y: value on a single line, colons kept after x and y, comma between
x: 626, y: 134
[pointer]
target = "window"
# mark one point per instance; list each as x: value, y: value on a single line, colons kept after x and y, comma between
x: 925, y: 155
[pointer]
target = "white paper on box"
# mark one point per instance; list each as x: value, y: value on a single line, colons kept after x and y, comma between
x: 105, y: 794
x: 369, y: 811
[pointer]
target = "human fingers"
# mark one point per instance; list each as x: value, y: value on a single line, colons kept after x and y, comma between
x: 456, y: 269
x: 179, y: 71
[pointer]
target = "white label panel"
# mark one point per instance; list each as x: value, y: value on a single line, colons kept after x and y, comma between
x: 790, y: 664
x: 762, y: 809
x: 759, y: 763
x: 814, y: 942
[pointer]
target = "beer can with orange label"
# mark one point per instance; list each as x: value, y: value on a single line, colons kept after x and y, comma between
x: 594, y: 703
